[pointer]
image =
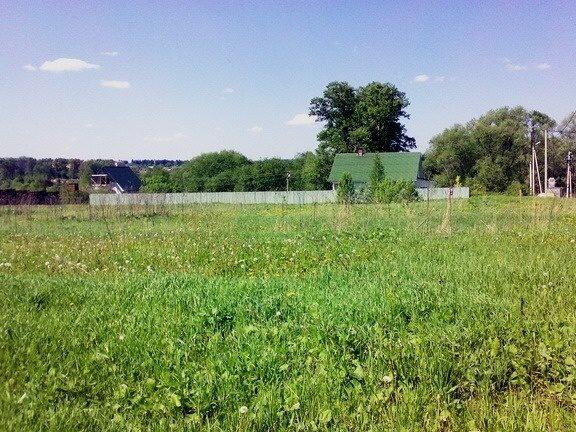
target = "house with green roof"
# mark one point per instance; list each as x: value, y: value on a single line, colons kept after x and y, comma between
x: 397, y: 166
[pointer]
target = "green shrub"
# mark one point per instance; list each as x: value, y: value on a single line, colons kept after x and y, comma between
x: 516, y: 189
x: 389, y: 191
x: 346, y: 190
x: 68, y: 196
x: 477, y: 188
x: 377, y: 174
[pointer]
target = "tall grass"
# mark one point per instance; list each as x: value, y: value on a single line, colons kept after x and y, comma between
x: 289, y: 317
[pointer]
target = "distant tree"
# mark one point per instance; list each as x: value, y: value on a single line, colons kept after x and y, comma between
x: 221, y: 182
x: 316, y: 169
x: 336, y: 107
x: 369, y: 116
x: 73, y: 166
x: 488, y: 153
x: 270, y: 174
x: 295, y: 167
x: 243, y: 179
x: 379, y: 111
x: 156, y: 180
x: 193, y: 175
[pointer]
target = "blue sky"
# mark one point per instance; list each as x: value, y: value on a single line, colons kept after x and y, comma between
x: 172, y: 79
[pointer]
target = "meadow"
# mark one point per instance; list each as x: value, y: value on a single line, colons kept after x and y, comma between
x: 321, y: 317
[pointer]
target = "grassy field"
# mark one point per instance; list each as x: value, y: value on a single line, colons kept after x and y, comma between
x: 256, y: 318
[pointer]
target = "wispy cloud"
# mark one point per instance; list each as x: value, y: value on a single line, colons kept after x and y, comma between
x: 67, y: 65
x: 89, y: 125
x: 514, y: 67
x: 228, y: 90
x: 256, y: 130
x: 115, y: 84
x: 543, y: 66
x: 29, y: 67
x: 423, y: 78
x: 110, y: 53
x: 302, y: 120
x: 176, y: 137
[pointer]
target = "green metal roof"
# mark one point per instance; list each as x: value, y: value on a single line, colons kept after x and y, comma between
x: 397, y: 166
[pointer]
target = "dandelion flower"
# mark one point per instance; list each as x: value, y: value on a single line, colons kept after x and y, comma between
x: 387, y: 379
x: 243, y: 409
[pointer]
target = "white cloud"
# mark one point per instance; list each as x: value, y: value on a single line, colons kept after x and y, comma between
x: 302, y: 120
x: 110, y: 53
x: 256, y: 129
x: 176, y: 137
x: 421, y: 78
x: 228, y: 90
x: 441, y: 78
x: 67, y: 65
x: 543, y: 66
x: 115, y: 84
x: 513, y: 66
x: 89, y: 125
x: 29, y: 67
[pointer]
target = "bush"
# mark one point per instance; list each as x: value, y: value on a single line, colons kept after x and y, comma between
x: 477, y: 188
x: 346, y: 190
x: 68, y: 196
x: 516, y: 189
x: 156, y: 180
x: 389, y: 191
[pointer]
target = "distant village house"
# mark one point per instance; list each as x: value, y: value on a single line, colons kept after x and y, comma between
x: 116, y: 179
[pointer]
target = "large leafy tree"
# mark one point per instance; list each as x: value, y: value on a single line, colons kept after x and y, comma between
x: 156, y: 180
x: 490, y: 152
x: 316, y: 169
x: 194, y: 174
x: 270, y: 174
x: 369, y: 116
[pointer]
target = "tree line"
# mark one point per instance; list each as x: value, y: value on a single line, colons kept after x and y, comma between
x: 489, y: 154
x: 227, y: 170
x: 26, y: 173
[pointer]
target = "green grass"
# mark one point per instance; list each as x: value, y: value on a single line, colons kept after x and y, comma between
x: 308, y: 318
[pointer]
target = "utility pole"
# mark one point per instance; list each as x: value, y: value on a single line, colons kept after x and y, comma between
x: 536, y: 170
x: 569, y: 175
x: 545, y: 160
x: 531, y: 165
x: 531, y: 173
